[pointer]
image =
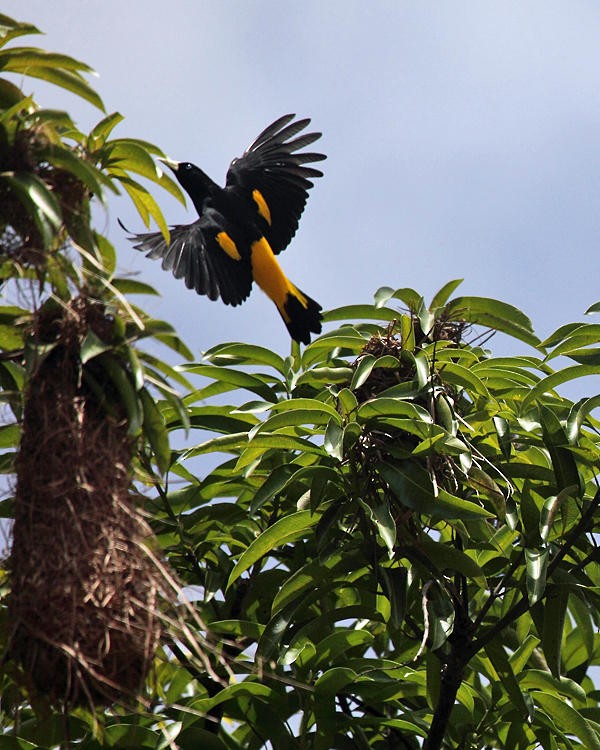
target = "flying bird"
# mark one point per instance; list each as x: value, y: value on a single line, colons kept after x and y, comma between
x: 243, y: 226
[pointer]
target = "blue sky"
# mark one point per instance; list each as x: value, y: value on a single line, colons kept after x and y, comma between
x: 463, y: 139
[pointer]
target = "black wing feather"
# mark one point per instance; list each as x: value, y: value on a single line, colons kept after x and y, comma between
x: 271, y: 165
x: 194, y: 255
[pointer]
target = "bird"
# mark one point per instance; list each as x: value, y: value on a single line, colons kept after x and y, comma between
x: 244, y: 225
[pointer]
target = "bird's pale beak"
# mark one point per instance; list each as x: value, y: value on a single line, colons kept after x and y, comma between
x: 173, y: 165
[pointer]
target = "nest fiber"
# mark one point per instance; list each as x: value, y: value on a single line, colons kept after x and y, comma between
x: 83, y: 607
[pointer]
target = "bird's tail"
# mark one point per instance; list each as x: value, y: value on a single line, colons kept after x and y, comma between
x: 301, y: 315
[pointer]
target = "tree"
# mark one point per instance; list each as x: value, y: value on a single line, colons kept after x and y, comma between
x: 396, y: 545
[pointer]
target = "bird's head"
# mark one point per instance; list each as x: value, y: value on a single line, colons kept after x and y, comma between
x: 192, y: 179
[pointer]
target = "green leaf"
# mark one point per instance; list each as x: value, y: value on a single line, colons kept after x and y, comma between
x: 555, y: 610
x: 359, y: 312
x: 247, y: 354
x: 144, y: 202
x: 568, y: 719
x: 549, y: 383
x: 272, y: 486
x: 497, y: 655
x: 102, y: 130
x: 10, y: 434
x: 305, y: 404
x: 334, y: 439
x: 446, y: 557
x: 381, y: 407
x: 66, y: 159
x: 133, y: 286
x: 394, y: 581
x: 362, y: 371
x: 348, y: 403
x: 283, y: 531
x: 127, y: 392
x: 11, y: 29
x: 538, y: 679
x: 412, y: 486
x: 502, y: 428
x: 536, y: 566
x: 493, y: 314
x: 155, y: 430
x: 335, y: 644
x: 520, y: 657
x: 237, y: 378
x: 92, y: 346
x: 130, y: 157
x: 39, y: 202
x: 580, y: 411
x: 563, y: 459
x: 385, y: 524
x: 441, y: 297
x: 412, y: 299
x: 463, y: 377
x: 47, y: 67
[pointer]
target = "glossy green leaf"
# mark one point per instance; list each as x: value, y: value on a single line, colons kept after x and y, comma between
x: 92, y: 346
x: 11, y: 29
x: 103, y: 129
x: 538, y: 679
x: 463, y: 377
x: 237, y: 378
x: 444, y: 557
x: 155, y: 430
x: 494, y: 650
x: 385, y: 525
x: 381, y: 407
x: 493, y: 314
x: 549, y: 383
x: 569, y: 720
x: 413, y: 489
x: 247, y: 354
x: 442, y: 296
x: 72, y: 162
x: 563, y: 460
x: 48, y: 69
x: 39, y: 202
x: 359, y: 312
x: 281, y: 532
x: 127, y: 392
x: 555, y: 610
x: 537, y: 564
x: 133, y: 286
x: 577, y: 416
x: 146, y: 205
x: 334, y: 439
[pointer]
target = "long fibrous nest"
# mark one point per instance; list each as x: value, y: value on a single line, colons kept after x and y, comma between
x: 84, y: 607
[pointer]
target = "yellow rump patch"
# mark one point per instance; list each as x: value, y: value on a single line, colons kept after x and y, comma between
x: 228, y: 245
x: 271, y: 279
x: 263, y: 208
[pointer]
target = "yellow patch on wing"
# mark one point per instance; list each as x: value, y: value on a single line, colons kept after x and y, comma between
x: 261, y: 203
x: 228, y: 245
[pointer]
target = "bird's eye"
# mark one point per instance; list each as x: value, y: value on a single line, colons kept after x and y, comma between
x: 187, y: 166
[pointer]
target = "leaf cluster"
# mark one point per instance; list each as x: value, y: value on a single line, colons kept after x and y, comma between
x: 400, y: 543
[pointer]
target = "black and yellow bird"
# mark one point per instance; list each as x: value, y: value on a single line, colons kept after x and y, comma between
x: 244, y: 225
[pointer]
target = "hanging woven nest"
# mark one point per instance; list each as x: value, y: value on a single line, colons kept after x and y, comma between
x: 84, y: 607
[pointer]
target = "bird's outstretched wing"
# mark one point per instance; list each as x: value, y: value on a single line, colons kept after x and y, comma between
x: 196, y: 255
x: 274, y: 177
